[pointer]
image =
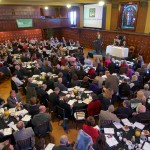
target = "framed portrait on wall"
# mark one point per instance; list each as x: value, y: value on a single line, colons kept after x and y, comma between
x: 92, y: 12
x: 128, y: 16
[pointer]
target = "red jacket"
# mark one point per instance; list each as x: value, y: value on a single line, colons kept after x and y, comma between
x: 94, y: 108
x: 94, y: 133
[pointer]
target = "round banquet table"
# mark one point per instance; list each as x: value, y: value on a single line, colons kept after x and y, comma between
x: 125, y: 134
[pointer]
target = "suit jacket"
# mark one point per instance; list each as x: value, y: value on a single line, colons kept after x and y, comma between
x: 54, y: 99
x: 112, y: 82
x: 141, y: 116
x: 124, y: 87
x: 106, y: 115
x: 60, y: 86
x: 24, y: 134
x: 39, y: 119
x: 12, y: 102
x: 124, y: 111
x: 32, y: 85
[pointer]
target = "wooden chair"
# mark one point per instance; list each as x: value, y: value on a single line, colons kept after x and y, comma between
x: 61, y: 116
x: 79, y: 116
x: 25, y: 144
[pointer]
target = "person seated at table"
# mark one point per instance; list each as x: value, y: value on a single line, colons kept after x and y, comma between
x: 23, y: 133
x: 85, y: 83
x: 116, y: 41
x: 146, y: 91
x: 36, y: 70
x: 63, y: 60
x: 18, y: 82
x: 2, y: 101
x: 107, y: 116
x: 54, y: 99
x: 49, y: 82
x: 43, y: 95
x: 101, y: 143
x: 106, y: 98
x: 92, y: 73
x: 89, y: 128
x: 72, y: 60
x: 64, y: 42
x: 143, y: 70
x: 31, y: 84
x: 64, y: 104
x: 41, y: 118
x: 33, y: 107
x: 94, y: 106
x: 8, y: 147
x: 60, y: 85
x: 112, y: 66
x: 124, y: 87
x: 75, y: 80
x: 20, y: 75
x: 107, y: 60
x: 14, y: 100
x: 88, y: 61
x: 94, y: 87
x: 124, y: 64
x: 79, y: 46
x: 130, y: 72
x: 141, y: 114
x: 64, y: 144
x: 100, y: 68
x: 134, y: 84
x: 124, y: 111
x: 140, y: 99
x: 81, y: 73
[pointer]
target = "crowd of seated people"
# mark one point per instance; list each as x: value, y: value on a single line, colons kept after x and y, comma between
x: 103, y: 78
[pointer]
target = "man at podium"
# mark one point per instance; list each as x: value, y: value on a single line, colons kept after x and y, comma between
x: 98, y: 43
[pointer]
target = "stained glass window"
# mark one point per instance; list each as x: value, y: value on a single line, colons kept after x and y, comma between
x: 129, y: 13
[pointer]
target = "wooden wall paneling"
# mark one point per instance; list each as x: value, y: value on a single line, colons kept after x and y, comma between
x: 87, y: 36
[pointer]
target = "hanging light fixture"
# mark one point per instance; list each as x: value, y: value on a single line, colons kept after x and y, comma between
x: 45, y: 7
x: 68, y: 5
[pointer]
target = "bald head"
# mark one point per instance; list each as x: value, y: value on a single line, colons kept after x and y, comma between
x: 141, y: 109
x: 111, y: 108
x: 30, y: 80
x: 42, y: 109
x: 63, y: 140
x: 20, y: 125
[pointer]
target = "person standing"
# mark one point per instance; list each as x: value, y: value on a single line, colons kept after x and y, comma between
x: 98, y: 43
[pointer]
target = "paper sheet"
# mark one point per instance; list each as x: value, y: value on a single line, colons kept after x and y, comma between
x: 1, y: 110
x: 50, y: 91
x: 22, y: 112
x: 109, y: 131
x: 118, y: 125
x: 146, y: 146
x: 126, y: 122
x: 71, y: 102
x: 111, y: 141
x: 50, y: 146
x: 7, y: 131
x: 139, y: 125
x: 87, y: 101
x: 12, y: 110
x: 26, y: 118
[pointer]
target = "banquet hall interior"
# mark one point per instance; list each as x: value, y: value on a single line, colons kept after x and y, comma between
x: 74, y: 74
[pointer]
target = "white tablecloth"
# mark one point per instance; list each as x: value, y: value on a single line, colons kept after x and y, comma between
x: 117, y: 51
